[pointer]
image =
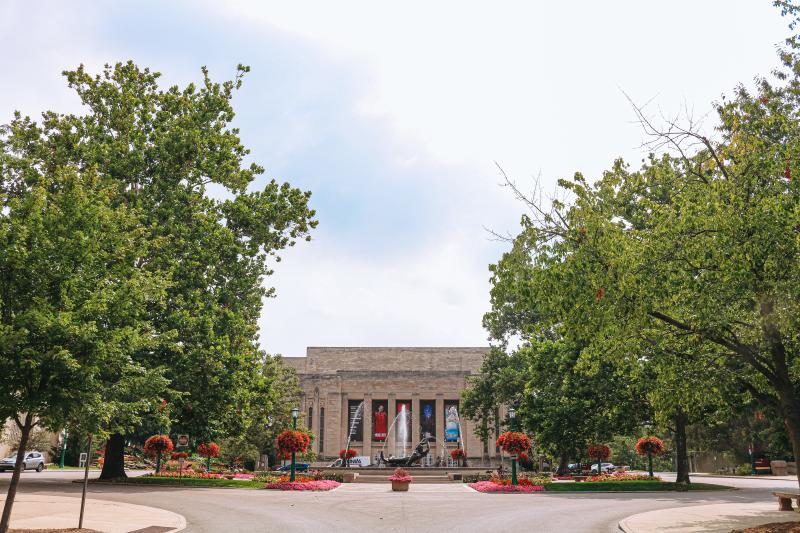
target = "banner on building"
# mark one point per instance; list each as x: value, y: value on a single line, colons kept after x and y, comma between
x: 355, y: 420
x: 452, y: 422
x: 427, y: 419
x: 380, y: 420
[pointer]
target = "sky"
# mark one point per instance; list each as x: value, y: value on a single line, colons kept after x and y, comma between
x: 396, y: 117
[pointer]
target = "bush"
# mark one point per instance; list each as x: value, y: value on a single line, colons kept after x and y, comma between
x: 322, y: 475
x: 744, y: 469
x: 474, y: 478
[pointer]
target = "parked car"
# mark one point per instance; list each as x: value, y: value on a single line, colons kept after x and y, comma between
x: 33, y: 461
x: 606, y: 468
x: 298, y: 467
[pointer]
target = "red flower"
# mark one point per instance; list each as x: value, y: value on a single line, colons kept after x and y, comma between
x: 293, y: 441
x: 158, y: 444
x: 208, y: 449
x: 513, y: 442
x: 650, y: 446
x: 179, y: 455
x: 599, y: 452
x: 347, y: 454
x: 524, y: 458
x: 457, y: 454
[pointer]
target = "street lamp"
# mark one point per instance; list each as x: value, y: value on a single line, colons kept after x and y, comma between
x: 295, y: 414
x: 512, y: 416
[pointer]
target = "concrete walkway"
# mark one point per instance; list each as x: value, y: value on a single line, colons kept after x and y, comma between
x: 34, y: 511
x: 722, y: 517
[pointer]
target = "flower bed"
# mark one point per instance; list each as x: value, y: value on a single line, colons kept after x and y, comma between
x: 313, y: 485
x: 621, y: 477
x: 490, y: 486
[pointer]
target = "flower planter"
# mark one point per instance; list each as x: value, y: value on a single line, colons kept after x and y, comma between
x: 400, y: 486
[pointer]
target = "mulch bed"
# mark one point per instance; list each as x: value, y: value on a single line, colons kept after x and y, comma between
x: 775, y: 527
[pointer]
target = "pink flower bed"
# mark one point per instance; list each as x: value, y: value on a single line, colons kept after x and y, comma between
x: 243, y: 476
x: 488, y: 486
x: 322, y: 484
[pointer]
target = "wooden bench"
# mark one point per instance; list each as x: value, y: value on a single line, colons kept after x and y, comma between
x: 785, y: 500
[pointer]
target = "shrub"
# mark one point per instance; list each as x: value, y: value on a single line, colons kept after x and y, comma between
x: 744, y: 469
x: 401, y: 474
x: 325, y: 475
x: 474, y: 478
x: 539, y: 480
x: 513, y: 442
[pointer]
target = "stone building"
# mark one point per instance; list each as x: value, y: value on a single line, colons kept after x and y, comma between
x: 389, y: 398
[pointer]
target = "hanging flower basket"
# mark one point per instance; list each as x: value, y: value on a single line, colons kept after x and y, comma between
x: 458, y: 455
x: 650, y: 446
x: 349, y: 453
x: 513, y: 442
x: 293, y: 441
x: 157, y: 445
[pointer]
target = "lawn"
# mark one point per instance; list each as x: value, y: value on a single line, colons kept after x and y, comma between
x: 629, y: 486
x: 189, y: 482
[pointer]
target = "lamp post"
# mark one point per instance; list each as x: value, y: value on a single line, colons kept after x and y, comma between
x: 63, y: 449
x: 512, y: 415
x: 295, y: 414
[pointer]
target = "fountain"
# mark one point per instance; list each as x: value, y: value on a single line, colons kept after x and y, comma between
x: 403, y: 438
x: 353, y: 425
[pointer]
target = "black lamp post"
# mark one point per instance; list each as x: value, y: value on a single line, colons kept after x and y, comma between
x: 512, y: 415
x: 295, y: 414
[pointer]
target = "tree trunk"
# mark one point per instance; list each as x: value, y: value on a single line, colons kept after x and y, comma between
x: 791, y: 419
x: 114, y: 461
x: 485, y: 433
x: 563, y: 464
x: 681, y: 453
x: 12, y: 488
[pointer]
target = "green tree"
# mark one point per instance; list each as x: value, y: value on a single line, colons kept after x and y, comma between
x: 166, y: 150
x: 700, y: 245
x: 70, y: 301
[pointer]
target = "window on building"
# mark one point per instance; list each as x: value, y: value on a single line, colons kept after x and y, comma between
x: 322, y: 432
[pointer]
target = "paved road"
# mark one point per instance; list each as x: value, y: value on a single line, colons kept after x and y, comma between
x: 426, y: 508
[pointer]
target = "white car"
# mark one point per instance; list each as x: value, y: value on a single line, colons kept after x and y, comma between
x: 33, y: 461
x: 606, y: 467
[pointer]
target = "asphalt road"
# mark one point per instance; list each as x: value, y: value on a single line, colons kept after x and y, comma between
x: 365, y: 508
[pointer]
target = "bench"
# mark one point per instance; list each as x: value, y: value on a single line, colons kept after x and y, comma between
x: 785, y: 500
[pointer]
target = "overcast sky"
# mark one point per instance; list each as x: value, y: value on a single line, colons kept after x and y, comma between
x: 393, y: 114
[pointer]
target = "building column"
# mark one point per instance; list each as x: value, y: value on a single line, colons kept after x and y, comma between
x: 390, y: 444
x: 333, y: 424
x: 440, y: 445
x: 366, y: 417
x: 345, y: 421
x: 314, y: 422
x: 415, y: 418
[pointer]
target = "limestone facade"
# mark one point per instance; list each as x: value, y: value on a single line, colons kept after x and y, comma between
x: 427, y: 381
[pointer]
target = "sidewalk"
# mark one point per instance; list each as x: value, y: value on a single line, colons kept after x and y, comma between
x: 722, y: 517
x: 767, y: 477
x: 33, y: 511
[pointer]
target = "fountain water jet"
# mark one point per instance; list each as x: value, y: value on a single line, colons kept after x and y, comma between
x: 353, y: 425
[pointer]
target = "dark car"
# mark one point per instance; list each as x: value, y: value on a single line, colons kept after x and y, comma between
x: 298, y: 467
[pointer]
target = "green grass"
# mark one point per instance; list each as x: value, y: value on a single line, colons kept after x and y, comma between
x: 629, y: 486
x: 188, y: 482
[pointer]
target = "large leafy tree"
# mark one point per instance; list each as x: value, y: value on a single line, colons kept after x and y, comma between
x: 700, y: 244
x: 71, y: 303
x: 166, y: 150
